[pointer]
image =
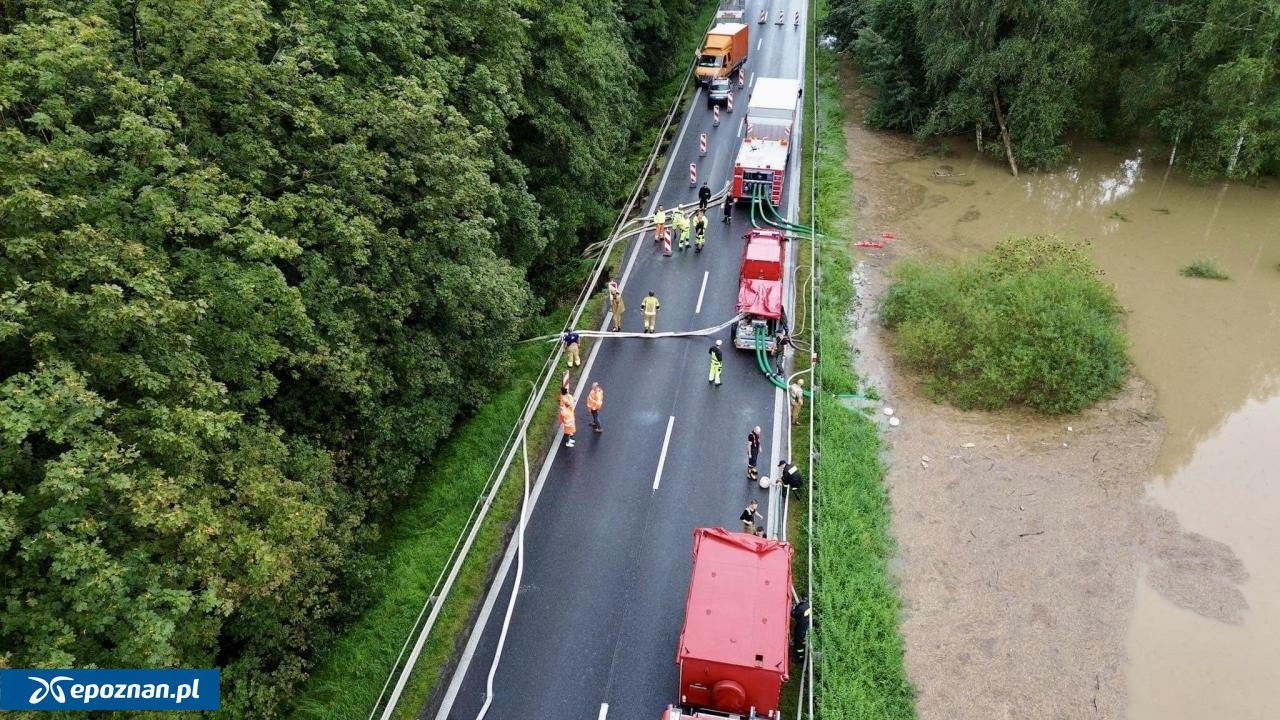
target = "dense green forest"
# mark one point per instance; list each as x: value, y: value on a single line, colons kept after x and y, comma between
x: 1201, y: 75
x: 257, y: 258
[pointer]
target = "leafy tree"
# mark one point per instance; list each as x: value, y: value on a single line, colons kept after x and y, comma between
x: 1203, y: 74
x: 255, y: 261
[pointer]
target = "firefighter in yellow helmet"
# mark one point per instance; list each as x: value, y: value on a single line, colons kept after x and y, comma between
x: 649, y: 308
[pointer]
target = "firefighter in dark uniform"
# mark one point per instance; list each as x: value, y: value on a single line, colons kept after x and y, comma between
x: 801, y: 620
x: 790, y: 477
x: 704, y: 196
x: 753, y: 453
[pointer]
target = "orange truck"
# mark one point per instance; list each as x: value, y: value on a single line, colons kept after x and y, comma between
x: 724, y: 50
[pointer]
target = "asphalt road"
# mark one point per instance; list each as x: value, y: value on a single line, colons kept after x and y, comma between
x: 608, y: 544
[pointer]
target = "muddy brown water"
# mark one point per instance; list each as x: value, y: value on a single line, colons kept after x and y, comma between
x: 1210, y: 348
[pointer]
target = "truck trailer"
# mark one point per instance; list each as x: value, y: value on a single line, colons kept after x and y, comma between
x: 732, y: 652
x: 731, y: 11
x: 761, y: 165
x: 724, y: 50
x: 760, y: 291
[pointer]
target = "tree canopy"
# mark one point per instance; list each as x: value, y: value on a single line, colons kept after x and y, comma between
x: 256, y: 258
x: 1203, y: 75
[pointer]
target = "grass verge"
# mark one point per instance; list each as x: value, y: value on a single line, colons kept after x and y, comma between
x: 1206, y: 268
x: 860, y: 670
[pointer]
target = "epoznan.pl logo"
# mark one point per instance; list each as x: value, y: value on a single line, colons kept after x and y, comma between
x: 110, y: 689
x: 47, y: 687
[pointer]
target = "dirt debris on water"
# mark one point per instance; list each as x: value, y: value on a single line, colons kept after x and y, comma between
x: 1021, y: 538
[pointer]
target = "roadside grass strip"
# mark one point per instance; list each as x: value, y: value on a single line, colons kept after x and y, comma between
x: 415, y: 547
x: 860, y: 673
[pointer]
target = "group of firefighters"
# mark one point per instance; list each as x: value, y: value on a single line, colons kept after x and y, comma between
x: 685, y: 227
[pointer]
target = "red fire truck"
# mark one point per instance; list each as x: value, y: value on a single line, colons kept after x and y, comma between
x: 761, y: 165
x: 760, y: 291
x: 733, y: 648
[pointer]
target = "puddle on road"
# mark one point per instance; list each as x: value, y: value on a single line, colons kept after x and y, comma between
x: 1212, y: 351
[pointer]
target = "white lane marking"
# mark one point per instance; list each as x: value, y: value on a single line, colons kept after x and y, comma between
x: 702, y: 292
x: 752, y: 82
x: 758, y: 43
x: 741, y: 125
x: 662, y: 459
x: 604, y: 710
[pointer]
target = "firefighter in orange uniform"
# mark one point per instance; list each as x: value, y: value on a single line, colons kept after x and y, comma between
x: 567, y: 418
x: 595, y: 401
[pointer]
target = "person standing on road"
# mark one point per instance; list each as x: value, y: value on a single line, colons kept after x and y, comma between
x: 679, y: 225
x: 567, y: 419
x: 649, y: 307
x: 728, y: 208
x: 779, y: 354
x: 595, y: 401
x: 717, y: 363
x: 748, y: 517
x: 704, y: 196
x: 659, y: 224
x: 753, y: 453
x: 700, y: 230
x: 796, y: 391
x: 571, y: 340
x: 616, y: 304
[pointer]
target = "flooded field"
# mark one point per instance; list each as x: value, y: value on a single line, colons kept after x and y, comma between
x: 1202, y: 639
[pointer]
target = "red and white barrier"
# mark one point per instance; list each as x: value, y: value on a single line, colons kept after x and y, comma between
x: 693, y: 174
x: 728, y: 99
x: 764, y: 15
x: 715, y: 116
x: 742, y: 78
x: 797, y: 19
x: 782, y: 17
x: 702, y: 144
x: 666, y: 243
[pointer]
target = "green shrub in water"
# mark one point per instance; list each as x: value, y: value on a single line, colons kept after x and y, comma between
x: 1030, y: 323
x: 1206, y: 268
